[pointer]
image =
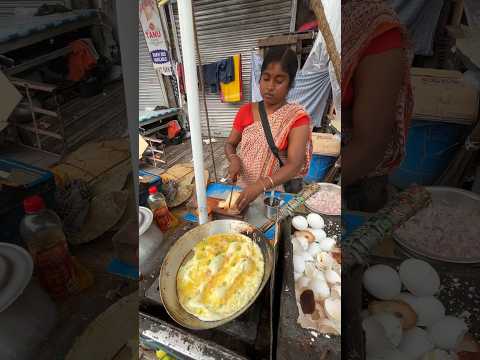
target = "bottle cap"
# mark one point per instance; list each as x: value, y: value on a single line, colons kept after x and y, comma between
x: 33, y: 204
x: 152, y: 190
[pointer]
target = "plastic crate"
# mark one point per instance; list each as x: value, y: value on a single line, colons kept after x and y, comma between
x: 11, y: 198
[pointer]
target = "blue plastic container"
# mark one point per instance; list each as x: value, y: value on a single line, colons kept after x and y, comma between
x: 431, y: 146
x: 11, y: 209
x: 319, y: 167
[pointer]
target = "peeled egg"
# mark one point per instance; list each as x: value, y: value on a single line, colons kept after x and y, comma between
x: 332, y: 277
x: 319, y: 234
x: 327, y: 244
x: 429, y: 310
x: 419, y: 277
x: 438, y: 354
x: 382, y: 282
x: 311, y: 271
x: 325, y: 260
x: 392, y: 326
x: 333, y: 308
x: 314, y: 248
x: 300, y: 223
x: 320, y: 289
x: 315, y: 221
x: 337, y: 291
x: 296, y: 246
x: 415, y: 343
x: 298, y: 263
x: 376, y: 342
x: 303, y: 282
x: 303, y: 242
x: 396, y: 355
x: 448, y: 332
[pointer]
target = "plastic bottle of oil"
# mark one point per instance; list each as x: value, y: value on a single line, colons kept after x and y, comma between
x: 157, y: 203
x: 42, y: 231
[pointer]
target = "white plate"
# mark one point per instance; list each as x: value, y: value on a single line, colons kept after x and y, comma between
x: 16, y: 268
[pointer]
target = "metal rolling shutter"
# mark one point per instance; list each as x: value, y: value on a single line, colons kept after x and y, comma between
x: 7, y: 8
x: 151, y: 91
x: 228, y: 27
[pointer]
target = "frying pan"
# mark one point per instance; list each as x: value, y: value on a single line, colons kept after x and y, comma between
x: 183, y: 248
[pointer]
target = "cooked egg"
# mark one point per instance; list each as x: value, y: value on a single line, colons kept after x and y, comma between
x: 300, y: 223
x: 315, y: 221
x: 221, y: 277
x: 419, y: 277
x: 382, y: 282
x: 448, y: 332
x: 415, y: 343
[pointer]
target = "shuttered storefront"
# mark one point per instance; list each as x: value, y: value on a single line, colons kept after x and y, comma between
x: 151, y: 91
x: 229, y: 27
x: 7, y: 8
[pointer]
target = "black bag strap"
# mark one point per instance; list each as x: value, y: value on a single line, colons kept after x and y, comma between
x: 268, y: 131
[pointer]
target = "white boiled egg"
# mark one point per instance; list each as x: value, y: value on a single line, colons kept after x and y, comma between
x: 392, y: 326
x: 448, y: 332
x: 382, y: 282
x: 415, y: 343
x: 376, y: 341
x: 315, y: 221
x: 300, y: 223
x: 419, y: 277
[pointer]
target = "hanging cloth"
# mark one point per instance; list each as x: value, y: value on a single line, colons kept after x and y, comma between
x: 80, y: 61
x: 232, y: 92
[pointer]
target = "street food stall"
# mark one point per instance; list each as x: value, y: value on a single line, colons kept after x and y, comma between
x: 261, y: 283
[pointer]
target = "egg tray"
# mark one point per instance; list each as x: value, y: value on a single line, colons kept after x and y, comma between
x: 459, y: 293
x: 294, y: 342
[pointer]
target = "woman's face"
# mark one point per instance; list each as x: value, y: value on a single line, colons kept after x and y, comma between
x: 274, y: 84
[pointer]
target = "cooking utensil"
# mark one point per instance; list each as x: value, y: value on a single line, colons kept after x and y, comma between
x: 150, y: 239
x: 325, y: 187
x: 231, y: 193
x: 456, y: 197
x: 183, y: 248
x: 272, y: 204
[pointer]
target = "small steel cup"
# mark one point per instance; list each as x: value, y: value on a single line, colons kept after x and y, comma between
x: 271, y: 209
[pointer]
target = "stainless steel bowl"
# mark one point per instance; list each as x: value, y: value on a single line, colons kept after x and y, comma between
x: 183, y: 247
x: 331, y: 187
x: 448, y: 195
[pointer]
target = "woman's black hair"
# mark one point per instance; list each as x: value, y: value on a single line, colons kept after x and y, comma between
x: 286, y: 57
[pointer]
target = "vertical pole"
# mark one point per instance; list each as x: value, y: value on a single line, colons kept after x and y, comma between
x: 191, y: 84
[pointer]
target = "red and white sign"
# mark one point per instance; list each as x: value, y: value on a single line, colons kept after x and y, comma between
x: 152, y: 29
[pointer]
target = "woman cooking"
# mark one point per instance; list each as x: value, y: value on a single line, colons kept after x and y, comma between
x: 376, y: 100
x: 251, y: 159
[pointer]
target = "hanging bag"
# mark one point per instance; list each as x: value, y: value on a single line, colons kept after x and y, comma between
x: 292, y: 186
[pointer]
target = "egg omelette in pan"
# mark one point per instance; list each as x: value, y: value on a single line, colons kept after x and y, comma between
x: 221, y: 277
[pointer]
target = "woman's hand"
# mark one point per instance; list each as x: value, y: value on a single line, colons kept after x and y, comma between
x: 249, y: 194
x: 234, y: 168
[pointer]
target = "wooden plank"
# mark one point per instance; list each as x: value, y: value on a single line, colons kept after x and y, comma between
x: 285, y: 39
x: 34, y: 85
x: 457, y: 13
x: 44, y: 111
x: 39, y: 60
x: 40, y: 131
x: 324, y: 27
x: 46, y: 34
